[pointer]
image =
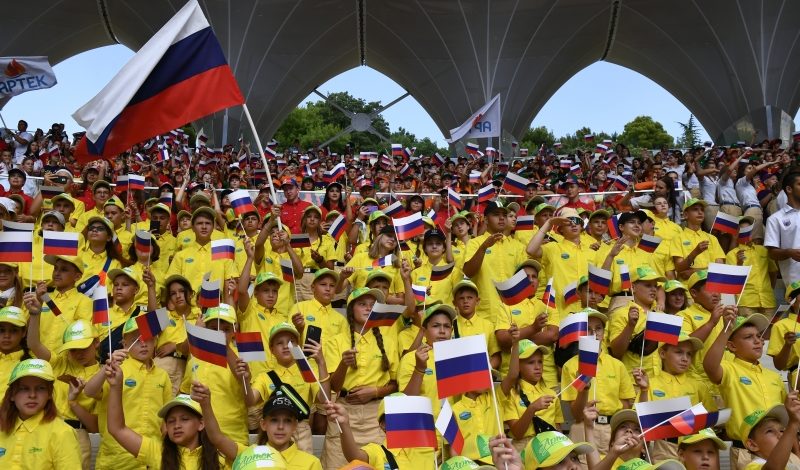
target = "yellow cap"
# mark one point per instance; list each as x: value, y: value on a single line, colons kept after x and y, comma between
x: 550, y: 448
x: 255, y: 457
x: 222, y: 312
x: 78, y: 335
x: 14, y: 315
x: 702, y: 435
x: 32, y: 368
x: 180, y: 400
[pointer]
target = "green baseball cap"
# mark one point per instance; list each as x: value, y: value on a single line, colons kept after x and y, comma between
x: 696, y: 277
x: 222, y: 312
x: 73, y: 260
x: 32, y: 368
x: 693, y: 202
x: 550, y: 448
x: 281, y: 327
x: 751, y: 421
x: 130, y: 326
x: 159, y: 207
x: 792, y: 291
x: 378, y: 274
x: 180, y: 400
x: 530, y: 263
x: 702, y: 435
x: 458, y: 463
x: 759, y: 321
x: 267, y: 277
x: 14, y: 315
x: 639, y: 464
x: 673, y: 284
x: 441, y: 308
x: 128, y: 272
x: 362, y: 291
x: 541, y: 207
x: 375, y: 216
x: 255, y: 457
x: 528, y: 347
x: 465, y: 284
x: 325, y: 272
x: 78, y: 335
x: 646, y: 273
x: 205, y: 210
x: 592, y: 313
x: 697, y: 343
x: 622, y: 416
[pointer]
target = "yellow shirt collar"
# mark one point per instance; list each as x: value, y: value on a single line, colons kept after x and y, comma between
x: 31, y: 423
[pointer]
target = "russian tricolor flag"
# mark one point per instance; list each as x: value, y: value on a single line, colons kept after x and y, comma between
x: 287, y: 270
x: 241, y: 202
x: 726, y: 278
x: 51, y: 304
x: 142, y: 241
x: 152, y: 323
x: 588, y: 137
x: 599, y: 280
x: 135, y: 182
x: 455, y: 199
x: 394, y: 209
x: 486, y: 193
x: 625, y: 277
x: 223, y: 249
x: 437, y: 159
x: 409, y: 422
x: 207, y: 345
x: 441, y: 271
x: 649, y: 243
x: 581, y: 382
x: 409, y: 227
x: 447, y: 424
x: 166, y: 199
x: 515, y: 289
x: 100, y: 304
x: 726, y: 223
x: 9, y: 226
x: 573, y: 328
x: 383, y: 315
x: 745, y: 235
x: 16, y: 247
x: 178, y: 76
x: 300, y: 240
x: 60, y: 243
x: 663, y: 327
x: 601, y: 148
x: 336, y: 228
x: 471, y: 149
x: 382, y: 262
x: 711, y: 419
x: 302, y: 364
x: 515, y: 184
x: 420, y: 292
x: 613, y: 227
x: 462, y: 365
x: 524, y: 222
x: 250, y: 346
x: 397, y: 150
x: 475, y: 177
x: 549, y: 298
x: 588, y: 354
x: 621, y: 183
x: 654, y: 416
x: 684, y: 423
x: 209, y: 294
x: 405, y: 170
x: 571, y: 293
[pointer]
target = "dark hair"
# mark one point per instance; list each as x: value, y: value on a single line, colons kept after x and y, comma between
x: 154, y: 255
x: 9, y: 412
x: 789, y: 178
x: 375, y: 332
x: 171, y: 456
x: 329, y: 205
x: 187, y: 293
x: 263, y: 437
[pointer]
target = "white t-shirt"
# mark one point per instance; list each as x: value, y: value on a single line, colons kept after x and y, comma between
x: 727, y: 192
x: 708, y: 189
x: 783, y: 231
x: 746, y: 192
x: 20, y: 149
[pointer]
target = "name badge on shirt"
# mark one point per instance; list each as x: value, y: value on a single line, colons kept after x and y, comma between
x: 745, y: 380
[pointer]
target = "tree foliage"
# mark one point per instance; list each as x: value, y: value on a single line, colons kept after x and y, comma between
x: 644, y: 132
x: 690, y: 137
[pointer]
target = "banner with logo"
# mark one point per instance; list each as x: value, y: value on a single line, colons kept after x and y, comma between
x: 22, y: 74
x: 484, y: 123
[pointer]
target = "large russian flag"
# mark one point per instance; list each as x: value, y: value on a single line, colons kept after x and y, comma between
x: 573, y: 328
x: 726, y: 223
x: 178, y: 76
x: 409, y: 227
x: 207, y: 345
x: 515, y: 289
x: 462, y: 365
x: 409, y: 422
x: 515, y: 184
x: 663, y: 327
x: 60, y: 243
x: 654, y: 417
x: 241, y: 202
x: 16, y: 247
x: 726, y: 278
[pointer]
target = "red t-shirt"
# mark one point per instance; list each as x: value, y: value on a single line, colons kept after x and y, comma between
x: 292, y: 214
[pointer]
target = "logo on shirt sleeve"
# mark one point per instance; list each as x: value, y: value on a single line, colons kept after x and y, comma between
x: 130, y: 383
x: 465, y: 416
x: 659, y: 393
x: 190, y: 260
x: 745, y: 380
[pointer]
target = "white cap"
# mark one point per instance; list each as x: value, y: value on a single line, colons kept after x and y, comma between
x: 9, y: 204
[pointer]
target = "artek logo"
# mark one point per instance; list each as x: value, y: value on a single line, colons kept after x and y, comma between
x: 14, y: 69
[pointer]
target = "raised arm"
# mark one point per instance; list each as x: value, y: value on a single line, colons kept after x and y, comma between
x: 225, y: 445
x: 129, y: 439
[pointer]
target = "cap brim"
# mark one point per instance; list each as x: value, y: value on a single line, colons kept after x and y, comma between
x: 759, y: 321
x: 172, y: 404
x: 77, y: 344
x: 695, y: 438
x: 670, y: 464
x: 559, y: 455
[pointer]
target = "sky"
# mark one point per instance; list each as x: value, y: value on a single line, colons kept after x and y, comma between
x: 82, y: 76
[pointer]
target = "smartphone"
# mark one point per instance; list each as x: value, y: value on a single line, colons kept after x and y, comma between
x: 313, y: 333
x: 155, y: 225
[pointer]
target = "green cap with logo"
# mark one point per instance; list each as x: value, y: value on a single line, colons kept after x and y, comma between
x: 458, y: 463
x: 281, y: 327
x: 79, y: 335
x: 14, y: 315
x: 255, y: 457
x: 759, y: 321
x: 639, y: 464
x: 528, y: 347
x: 441, y: 308
x: 696, y: 277
x: 541, y: 207
x: 792, y: 291
x: 127, y: 272
x: 378, y: 274
x: 693, y: 202
x: 702, y: 435
x: 646, y: 273
x: 550, y: 448
x: 222, y: 312
x: 32, y: 368
x: 777, y: 412
x: 673, y: 284
x: 267, y: 277
x: 363, y: 291
x: 180, y: 400
x: 130, y: 326
x: 465, y: 284
x: 592, y: 313
x: 326, y: 272
x: 376, y: 215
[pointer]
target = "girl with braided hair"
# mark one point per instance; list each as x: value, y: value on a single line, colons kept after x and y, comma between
x: 363, y: 365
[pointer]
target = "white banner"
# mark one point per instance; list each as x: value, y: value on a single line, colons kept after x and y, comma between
x: 484, y: 123
x: 21, y: 74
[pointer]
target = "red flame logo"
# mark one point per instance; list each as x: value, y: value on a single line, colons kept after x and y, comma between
x: 14, y: 69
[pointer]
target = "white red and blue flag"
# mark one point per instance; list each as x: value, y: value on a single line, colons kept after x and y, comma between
x: 599, y: 280
x: 572, y: 328
x: 486, y: 193
x: 207, y: 345
x: 241, y: 202
x: 455, y: 199
x: 649, y: 243
x: 462, y: 365
x: 447, y: 424
x: 663, y: 327
x: 409, y: 227
x: 625, y: 277
x: 209, y: 294
x: 409, y: 422
x: 588, y: 354
x: 726, y: 223
x: 654, y: 416
x: 441, y: 271
x: 524, y: 222
x: 16, y: 247
x: 515, y: 184
x: 302, y: 363
x: 726, y: 278
x: 420, y: 292
x: 60, y: 243
x: 515, y: 289
x: 152, y: 323
x: 250, y: 346
x: 223, y: 249
x: 549, y: 297
x: 571, y: 293
x: 383, y: 315
x: 337, y: 227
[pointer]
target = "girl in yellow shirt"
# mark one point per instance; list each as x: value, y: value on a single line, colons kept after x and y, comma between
x: 31, y: 433
x: 319, y: 255
x: 172, y: 348
x: 12, y: 349
x: 98, y: 252
x: 139, y: 260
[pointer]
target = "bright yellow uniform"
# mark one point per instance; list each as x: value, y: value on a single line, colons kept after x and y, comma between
x: 93, y: 262
x: 630, y: 256
x: 746, y: 388
x: 407, y: 459
x: 151, y: 450
x: 682, y: 245
x: 185, y: 238
x: 665, y: 385
x: 369, y: 372
x: 194, y: 261
x: 566, y: 263
x: 441, y: 290
x: 428, y: 387
x: 73, y: 306
x: 34, y: 445
x: 40, y: 270
x: 296, y: 458
x: 695, y: 316
x: 262, y: 319
x: 166, y: 250
x: 500, y: 262
x: 776, y: 342
x: 272, y: 263
x: 524, y: 314
x: 323, y: 245
x: 612, y: 383
x: 758, y: 291
x: 362, y: 265
x: 62, y: 365
x: 476, y: 416
x: 514, y: 405
x: 619, y: 318
x: 325, y: 317
x: 7, y: 364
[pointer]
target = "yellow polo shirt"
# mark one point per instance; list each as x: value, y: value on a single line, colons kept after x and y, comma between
x: 93, y: 263
x: 619, y: 318
x: 665, y: 385
x: 125, y: 238
x: 362, y: 266
x: 288, y: 375
x: 83, y: 218
x: 7, y: 364
x: 241, y: 256
x: 442, y: 290
x: 261, y: 319
x: 151, y: 450
x: 776, y: 341
x: 476, y: 416
x: 185, y: 238
x: 682, y: 245
x: 272, y: 263
x: 63, y: 365
x: 194, y: 261
x: 413, y: 458
x: 175, y: 332
x: 758, y: 291
x: 296, y: 458
x: 428, y: 387
x: 695, y: 316
x: 666, y: 229
x: 34, y: 444
x: 325, y: 317
x: 370, y: 371
x: 323, y: 245
x: 405, y: 333
x: 137, y: 270
x: 144, y: 391
x: 459, y: 250
x: 632, y: 256
x: 166, y: 250
x: 514, y: 407
x: 524, y: 314
x: 40, y: 271
x: 566, y: 263
x: 746, y: 388
x: 499, y: 263
x: 73, y: 305
x: 612, y: 383
x: 117, y: 317
x: 478, y: 326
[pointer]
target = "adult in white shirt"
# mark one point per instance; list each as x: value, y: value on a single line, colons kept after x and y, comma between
x: 21, y: 140
x: 783, y: 230
x: 748, y: 197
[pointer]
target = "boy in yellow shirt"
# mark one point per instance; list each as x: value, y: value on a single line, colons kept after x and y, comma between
x: 772, y: 434
x: 783, y: 345
x: 758, y: 295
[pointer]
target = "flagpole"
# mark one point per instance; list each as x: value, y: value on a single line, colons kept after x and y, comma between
x: 739, y: 297
x: 644, y: 440
x: 494, y: 398
x: 263, y: 159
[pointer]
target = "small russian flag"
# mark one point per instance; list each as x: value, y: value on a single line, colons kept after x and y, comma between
x: 557, y: 145
x: 486, y: 193
x: 60, y: 243
x: 135, y: 182
x: 471, y: 149
x: 588, y: 137
x: 599, y: 280
x: 397, y: 150
x: 549, y: 298
x: 250, y: 346
x: 625, y: 277
x: 223, y: 249
x: 241, y: 202
x: 726, y: 223
x: 524, y: 222
x: 491, y: 152
x: 475, y: 177
x: 409, y: 227
x: 51, y: 304
x: 649, y: 243
x: 572, y: 328
x: 409, y: 422
x: 565, y: 164
x: 576, y: 169
x: 462, y: 365
x: 727, y: 279
x: 447, y: 424
x: 441, y: 271
x: 300, y: 240
x: 711, y: 419
x: 571, y: 293
x: 143, y: 241
x: 684, y: 423
x: 581, y: 382
x: 383, y: 315
x: 654, y: 416
x: 336, y: 228
x: 420, y: 292
x: 601, y: 148
x: 515, y: 184
x: 166, y: 199
x: 334, y: 173
x: 209, y: 294
x: 588, y: 353
x: 455, y: 199
x: 16, y: 247
x: 394, y: 209
x: 287, y: 270
x: 663, y: 327
x: 613, y: 227
x: 405, y: 170
x: 437, y: 159
x: 207, y: 345
x: 9, y: 226
x: 302, y: 363
x: 100, y: 304
x: 745, y: 235
x: 621, y: 183
x: 152, y: 323
x: 383, y: 262
x: 515, y: 289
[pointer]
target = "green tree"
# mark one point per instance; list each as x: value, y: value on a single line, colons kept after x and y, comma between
x: 535, y: 137
x: 690, y: 135
x: 644, y: 132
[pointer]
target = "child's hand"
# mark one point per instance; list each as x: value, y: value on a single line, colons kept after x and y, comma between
x: 200, y: 393
x: 623, y: 444
x: 148, y: 278
x: 513, y: 331
x: 422, y: 355
x: 346, y: 272
x: 504, y: 452
x: 361, y: 395
x: 113, y: 374
x: 41, y: 289
x: 541, y: 322
x: 349, y: 358
x: 543, y: 402
x: 315, y: 350
x: 640, y: 378
x: 242, y: 370
x: 249, y: 249
x: 119, y: 355
x: 32, y: 303
x: 633, y: 316
x: 590, y: 412
x: 299, y: 322
x: 336, y: 412
x: 792, y: 404
x: 405, y: 269
x: 75, y: 388
x: 790, y: 337
x: 729, y: 315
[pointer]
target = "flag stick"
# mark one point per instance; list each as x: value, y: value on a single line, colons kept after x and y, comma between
x: 244, y: 382
x: 770, y: 321
x: 263, y: 158
x: 494, y: 399
x: 134, y: 342
x: 30, y: 281
x: 659, y: 424
x: 110, y: 347
x: 644, y: 441
x: 747, y: 278
x: 641, y: 357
